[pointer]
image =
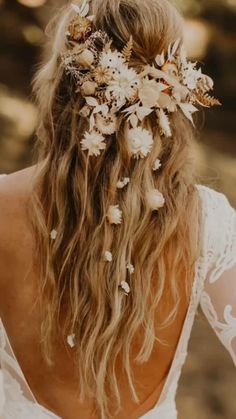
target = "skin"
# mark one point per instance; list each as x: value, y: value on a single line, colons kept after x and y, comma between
x: 55, y: 387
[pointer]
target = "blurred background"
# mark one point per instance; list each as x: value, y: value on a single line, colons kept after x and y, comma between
x: 208, y: 384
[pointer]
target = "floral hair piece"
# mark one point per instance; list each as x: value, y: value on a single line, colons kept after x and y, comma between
x: 109, y: 86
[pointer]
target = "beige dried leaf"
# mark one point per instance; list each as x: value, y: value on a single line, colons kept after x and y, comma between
x: 207, y: 100
x: 128, y: 49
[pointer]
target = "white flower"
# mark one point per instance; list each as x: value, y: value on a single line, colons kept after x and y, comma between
x: 114, y: 214
x: 111, y: 59
x: 164, y: 123
x: 140, y: 142
x: 108, y: 256
x: 130, y: 268
x: 106, y: 124
x: 155, y: 199
x: 71, y: 340
x: 191, y: 76
x: 125, y: 286
x: 53, y: 234
x: 124, y: 84
x: 149, y: 92
x: 156, y: 165
x: 93, y: 142
x: 123, y: 182
x: 180, y: 94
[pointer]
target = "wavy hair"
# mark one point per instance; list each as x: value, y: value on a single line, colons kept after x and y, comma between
x: 79, y: 291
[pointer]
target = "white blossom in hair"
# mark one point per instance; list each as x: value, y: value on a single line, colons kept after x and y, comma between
x: 108, y: 256
x: 164, y: 123
x: 155, y: 199
x: 125, y: 287
x: 124, y: 84
x: 123, y: 182
x: 71, y: 340
x: 93, y: 142
x: 157, y: 165
x: 106, y: 124
x: 114, y: 214
x: 53, y: 234
x: 130, y: 268
x: 111, y: 60
x: 140, y: 142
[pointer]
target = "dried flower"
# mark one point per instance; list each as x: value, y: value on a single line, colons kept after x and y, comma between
x: 124, y: 84
x: 53, y: 234
x: 79, y: 28
x: 205, y: 83
x: 71, y: 340
x: 130, y: 268
x: 149, y: 92
x: 85, y: 111
x: 108, y: 256
x: 88, y: 88
x: 164, y: 123
x: 123, y: 182
x: 111, y: 60
x: 191, y: 76
x: 156, y: 165
x: 140, y: 142
x: 102, y: 75
x: 93, y: 142
x: 86, y: 58
x: 106, y: 124
x: 114, y: 214
x: 155, y: 199
x: 125, y: 287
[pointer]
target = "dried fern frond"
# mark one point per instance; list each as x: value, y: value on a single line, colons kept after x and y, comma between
x: 207, y: 100
x: 128, y: 49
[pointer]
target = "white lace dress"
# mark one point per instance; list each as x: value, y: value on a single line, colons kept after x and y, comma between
x: 214, y: 289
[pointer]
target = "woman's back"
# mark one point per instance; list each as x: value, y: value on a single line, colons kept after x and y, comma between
x: 57, y: 387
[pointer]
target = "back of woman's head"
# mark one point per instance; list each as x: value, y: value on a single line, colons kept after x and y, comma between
x: 104, y: 233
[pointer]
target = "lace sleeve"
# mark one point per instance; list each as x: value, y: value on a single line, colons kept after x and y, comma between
x: 218, y: 299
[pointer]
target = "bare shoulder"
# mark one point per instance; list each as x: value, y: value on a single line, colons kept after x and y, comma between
x: 15, y: 192
x: 17, y: 183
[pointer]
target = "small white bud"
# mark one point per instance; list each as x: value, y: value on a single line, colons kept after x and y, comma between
x: 53, y: 234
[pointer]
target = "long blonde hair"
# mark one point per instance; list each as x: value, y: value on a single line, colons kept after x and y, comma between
x: 78, y: 289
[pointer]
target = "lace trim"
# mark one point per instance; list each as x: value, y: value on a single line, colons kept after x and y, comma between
x: 226, y: 331
x: 219, y: 244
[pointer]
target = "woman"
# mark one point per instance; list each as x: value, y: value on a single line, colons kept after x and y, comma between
x: 107, y: 244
